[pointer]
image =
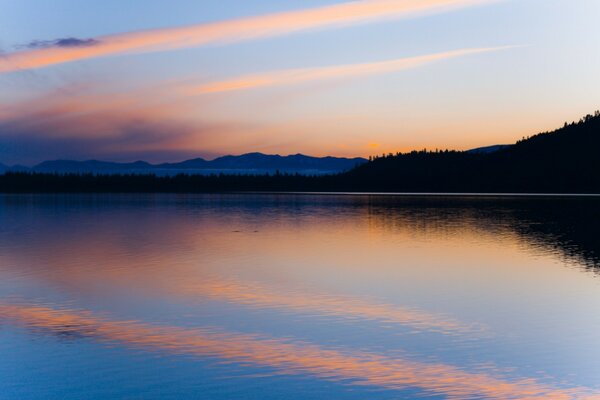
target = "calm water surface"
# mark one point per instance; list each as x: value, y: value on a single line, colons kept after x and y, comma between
x: 299, y: 297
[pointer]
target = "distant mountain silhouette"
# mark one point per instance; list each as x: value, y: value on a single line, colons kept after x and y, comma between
x: 251, y: 163
x: 258, y: 162
x: 566, y: 160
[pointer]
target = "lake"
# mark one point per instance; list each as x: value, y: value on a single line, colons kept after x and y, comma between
x: 299, y: 297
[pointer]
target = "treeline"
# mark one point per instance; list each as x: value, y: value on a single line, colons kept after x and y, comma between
x: 18, y: 182
x: 563, y: 161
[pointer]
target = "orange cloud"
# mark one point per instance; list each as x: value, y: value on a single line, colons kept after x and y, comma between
x: 296, y: 76
x: 358, y: 367
x: 228, y: 31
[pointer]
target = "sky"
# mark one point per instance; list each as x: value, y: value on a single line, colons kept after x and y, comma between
x: 167, y: 81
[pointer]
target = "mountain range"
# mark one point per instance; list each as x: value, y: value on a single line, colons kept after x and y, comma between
x: 246, y: 164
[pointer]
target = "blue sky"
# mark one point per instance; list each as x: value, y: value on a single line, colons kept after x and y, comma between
x: 129, y: 104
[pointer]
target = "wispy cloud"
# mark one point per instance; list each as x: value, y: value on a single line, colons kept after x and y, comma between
x: 225, y: 31
x: 296, y: 76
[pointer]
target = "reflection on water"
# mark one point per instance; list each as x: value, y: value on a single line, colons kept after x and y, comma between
x: 297, y: 296
x: 364, y: 368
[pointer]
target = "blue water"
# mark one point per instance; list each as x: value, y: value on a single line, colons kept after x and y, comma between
x: 298, y: 297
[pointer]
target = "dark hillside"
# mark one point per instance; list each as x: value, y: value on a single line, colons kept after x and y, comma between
x: 565, y: 160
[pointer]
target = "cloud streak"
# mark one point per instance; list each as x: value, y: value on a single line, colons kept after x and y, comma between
x: 297, y: 76
x: 235, y: 30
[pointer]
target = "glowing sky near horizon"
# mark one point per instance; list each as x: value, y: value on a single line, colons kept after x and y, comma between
x: 323, y: 77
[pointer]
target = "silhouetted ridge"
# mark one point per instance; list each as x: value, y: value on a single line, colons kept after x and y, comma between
x: 565, y: 160
x: 296, y: 162
x: 251, y: 163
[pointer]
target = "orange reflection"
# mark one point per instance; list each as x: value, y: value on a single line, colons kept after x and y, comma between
x: 164, y: 270
x: 291, y: 357
x: 256, y: 295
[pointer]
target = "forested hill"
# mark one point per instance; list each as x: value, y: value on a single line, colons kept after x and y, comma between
x: 565, y: 160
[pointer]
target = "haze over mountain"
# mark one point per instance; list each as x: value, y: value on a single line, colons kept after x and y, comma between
x: 251, y: 163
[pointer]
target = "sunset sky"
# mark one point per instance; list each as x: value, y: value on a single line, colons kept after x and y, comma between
x: 166, y: 81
